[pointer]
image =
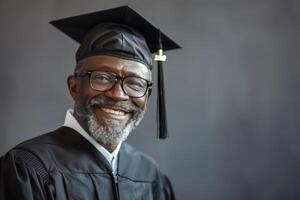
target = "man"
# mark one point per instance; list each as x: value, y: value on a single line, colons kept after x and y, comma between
x: 87, y: 158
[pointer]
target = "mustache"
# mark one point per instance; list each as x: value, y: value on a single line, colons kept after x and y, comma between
x: 100, y: 102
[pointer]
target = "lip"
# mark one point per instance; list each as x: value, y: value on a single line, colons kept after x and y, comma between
x: 116, y: 108
x: 111, y: 112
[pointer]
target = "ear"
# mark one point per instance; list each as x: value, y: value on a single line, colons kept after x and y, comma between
x: 73, y: 86
x: 149, y: 92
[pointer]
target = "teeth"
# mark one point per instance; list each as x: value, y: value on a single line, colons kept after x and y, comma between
x: 115, y: 112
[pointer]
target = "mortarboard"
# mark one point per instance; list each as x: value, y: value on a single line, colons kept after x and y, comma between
x: 121, y: 32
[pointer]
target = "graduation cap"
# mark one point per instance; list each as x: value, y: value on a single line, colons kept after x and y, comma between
x: 124, y: 33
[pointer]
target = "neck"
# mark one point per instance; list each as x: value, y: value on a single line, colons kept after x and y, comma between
x: 109, y: 147
x: 81, y: 122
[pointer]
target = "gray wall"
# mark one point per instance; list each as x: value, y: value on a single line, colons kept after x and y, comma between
x: 233, y: 90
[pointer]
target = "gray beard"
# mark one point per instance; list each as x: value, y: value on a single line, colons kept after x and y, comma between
x: 112, y: 133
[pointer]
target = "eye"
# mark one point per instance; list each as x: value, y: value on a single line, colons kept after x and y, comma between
x: 135, y: 83
x: 102, y: 77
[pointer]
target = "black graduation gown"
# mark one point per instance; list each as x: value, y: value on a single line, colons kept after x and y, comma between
x: 63, y: 165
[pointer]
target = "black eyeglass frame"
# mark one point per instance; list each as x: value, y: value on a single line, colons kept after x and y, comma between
x: 117, y: 77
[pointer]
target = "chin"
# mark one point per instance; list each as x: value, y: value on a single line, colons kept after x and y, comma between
x: 110, y: 133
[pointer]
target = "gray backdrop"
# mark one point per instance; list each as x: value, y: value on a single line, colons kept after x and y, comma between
x: 233, y: 90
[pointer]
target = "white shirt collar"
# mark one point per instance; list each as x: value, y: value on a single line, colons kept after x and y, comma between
x: 112, y: 158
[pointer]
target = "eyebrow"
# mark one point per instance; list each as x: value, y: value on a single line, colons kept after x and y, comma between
x: 109, y: 69
x: 103, y: 68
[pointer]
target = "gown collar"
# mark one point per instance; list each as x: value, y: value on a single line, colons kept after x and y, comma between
x: 112, y: 158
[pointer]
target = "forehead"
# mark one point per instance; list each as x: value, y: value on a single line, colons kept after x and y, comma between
x: 114, y: 64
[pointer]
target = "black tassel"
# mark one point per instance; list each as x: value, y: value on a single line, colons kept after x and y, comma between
x: 161, y: 104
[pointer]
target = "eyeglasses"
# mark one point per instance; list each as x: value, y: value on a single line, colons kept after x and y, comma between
x: 102, y: 81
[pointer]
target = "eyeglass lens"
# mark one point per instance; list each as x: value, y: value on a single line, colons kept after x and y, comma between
x: 131, y: 85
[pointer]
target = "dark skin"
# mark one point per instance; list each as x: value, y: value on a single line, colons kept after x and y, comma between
x: 80, y: 90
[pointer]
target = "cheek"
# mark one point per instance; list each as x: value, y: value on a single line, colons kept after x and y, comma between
x: 86, y: 94
x: 140, y: 102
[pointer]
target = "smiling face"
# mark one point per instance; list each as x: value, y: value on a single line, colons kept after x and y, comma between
x: 108, y: 116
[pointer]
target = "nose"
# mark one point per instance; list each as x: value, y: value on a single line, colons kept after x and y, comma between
x: 117, y: 92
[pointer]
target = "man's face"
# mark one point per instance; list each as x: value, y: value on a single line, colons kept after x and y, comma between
x: 108, y: 116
